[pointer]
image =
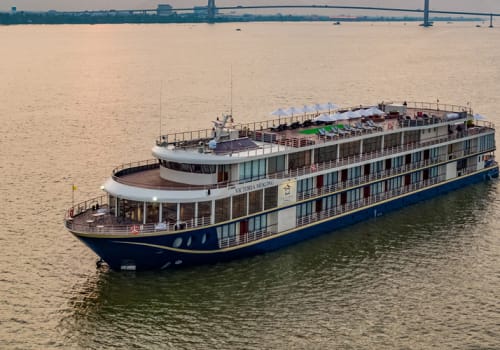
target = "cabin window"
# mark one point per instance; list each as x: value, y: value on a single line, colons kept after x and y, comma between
x: 226, y: 231
x: 325, y: 154
x: 354, y: 173
x: 412, y: 136
x: 299, y: 159
x: 416, y: 177
x: 330, y: 202
x: 377, y: 188
x: 132, y: 210
x: 152, y: 212
x: 305, y: 185
x: 434, y: 152
x: 169, y: 212
x: 398, y: 161
x: 111, y: 204
x: 376, y: 167
x: 187, y: 211
x: 177, y: 242
x: 394, y: 183
x: 434, y: 172
x: 271, y: 197
x: 252, y: 170
x: 372, y: 144
x: 205, y: 211
x: 350, y: 149
x: 255, y: 201
x: 239, y: 205
x: 257, y: 223
x: 392, y: 140
x: 304, y: 209
x: 189, y: 168
x: 222, y: 211
x: 276, y: 164
x: 331, y: 178
x: 416, y: 157
x: 354, y: 195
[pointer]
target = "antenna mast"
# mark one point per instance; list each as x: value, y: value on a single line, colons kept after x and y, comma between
x: 231, y: 101
x: 161, y: 93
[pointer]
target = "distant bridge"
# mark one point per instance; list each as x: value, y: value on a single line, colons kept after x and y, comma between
x: 212, y: 9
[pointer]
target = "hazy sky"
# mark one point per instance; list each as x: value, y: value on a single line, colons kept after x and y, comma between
x: 68, y: 5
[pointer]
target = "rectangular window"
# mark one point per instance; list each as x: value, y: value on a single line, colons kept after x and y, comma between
x: 299, y: 160
x: 252, y: 170
x: 187, y: 211
x: 222, y: 209
x: 372, y: 144
x: 255, y: 201
x: 276, y: 164
x: 392, y: 140
x: 169, y: 212
x: 353, y: 173
x: 205, y: 209
x: 325, y: 154
x: 304, y: 209
x: 329, y: 202
x: 271, y: 197
x: 239, y: 205
x: 331, y: 178
x: 305, y: 185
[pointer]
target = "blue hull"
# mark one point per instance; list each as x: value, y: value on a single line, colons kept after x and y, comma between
x: 157, y: 252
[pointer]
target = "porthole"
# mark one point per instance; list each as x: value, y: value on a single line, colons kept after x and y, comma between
x: 189, y: 241
x: 204, y: 238
x: 177, y: 242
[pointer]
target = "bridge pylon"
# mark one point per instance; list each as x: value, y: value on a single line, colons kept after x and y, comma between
x: 426, y: 14
x: 211, y: 10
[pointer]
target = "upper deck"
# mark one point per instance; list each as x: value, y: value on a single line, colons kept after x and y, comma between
x: 273, y: 140
x: 297, y: 131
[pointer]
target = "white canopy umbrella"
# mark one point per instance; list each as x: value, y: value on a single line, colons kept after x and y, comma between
x: 478, y: 116
x: 329, y: 106
x: 307, y: 109
x: 337, y: 116
x: 292, y: 110
x: 323, y: 118
x: 317, y: 107
x: 279, y: 112
x: 351, y: 114
x: 375, y: 111
x: 365, y: 112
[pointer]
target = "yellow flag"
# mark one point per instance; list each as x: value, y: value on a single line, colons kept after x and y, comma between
x: 74, y: 188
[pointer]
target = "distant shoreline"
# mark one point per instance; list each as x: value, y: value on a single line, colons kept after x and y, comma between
x: 62, y: 18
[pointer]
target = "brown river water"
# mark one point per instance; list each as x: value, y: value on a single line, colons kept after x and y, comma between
x: 76, y: 101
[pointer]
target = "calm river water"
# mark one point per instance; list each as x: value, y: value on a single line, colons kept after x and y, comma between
x: 76, y: 101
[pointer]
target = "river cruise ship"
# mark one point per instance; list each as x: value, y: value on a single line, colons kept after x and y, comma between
x: 235, y: 190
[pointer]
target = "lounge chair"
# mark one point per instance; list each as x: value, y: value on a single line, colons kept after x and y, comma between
x: 363, y: 127
x: 351, y: 130
x: 373, y: 125
x: 339, y: 131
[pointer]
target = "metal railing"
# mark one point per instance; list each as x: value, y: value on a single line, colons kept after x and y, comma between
x: 137, y: 229
x: 246, y: 129
x: 247, y: 237
x: 305, y: 170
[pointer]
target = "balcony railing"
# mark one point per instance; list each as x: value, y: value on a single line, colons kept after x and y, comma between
x: 305, y: 170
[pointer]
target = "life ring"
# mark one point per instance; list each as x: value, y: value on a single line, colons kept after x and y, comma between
x: 390, y: 126
x: 313, y: 167
x: 71, y: 212
x: 134, y: 229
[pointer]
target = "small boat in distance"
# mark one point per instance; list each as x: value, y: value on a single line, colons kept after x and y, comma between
x: 235, y: 190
